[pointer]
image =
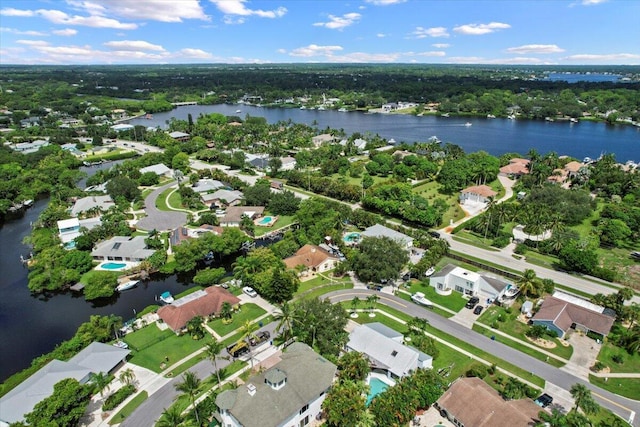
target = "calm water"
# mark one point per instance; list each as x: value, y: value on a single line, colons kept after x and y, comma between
x: 496, y: 136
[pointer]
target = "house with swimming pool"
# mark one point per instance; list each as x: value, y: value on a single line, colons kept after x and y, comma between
x: 289, y: 393
x: 379, y: 230
x: 122, y: 248
x: 233, y: 215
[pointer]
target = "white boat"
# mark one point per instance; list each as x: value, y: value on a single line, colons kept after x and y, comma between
x: 490, y: 116
x: 430, y: 271
x: 445, y: 115
x: 303, y: 108
x: 321, y: 108
x: 511, y: 117
x: 573, y: 120
x: 467, y: 124
x: 342, y: 110
x: 238, y: 111
x: 127, y: 285
x: 166, y: 297
x: 27, y: 203
x: 419, y: 298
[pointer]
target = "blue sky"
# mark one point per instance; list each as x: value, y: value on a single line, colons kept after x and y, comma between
x: 281, y: 31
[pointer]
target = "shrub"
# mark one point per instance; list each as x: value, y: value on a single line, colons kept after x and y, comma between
x: 604, y: 273
x: 501, y: 241
x: 118, y: 397
x: 598, y: 366
x: 618, y: 358
x: 520, y: 249
x: 477, y: 370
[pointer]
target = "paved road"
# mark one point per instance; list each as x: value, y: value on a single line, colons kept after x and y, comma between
x: 618, y: 404
x: 157, y: 219
x: 151, y: 409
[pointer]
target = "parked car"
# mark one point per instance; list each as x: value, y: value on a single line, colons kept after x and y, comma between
x: 544, y: 400
x: 250, y: 291
x: 259, y: 338
x: 472, y: 302
x: 478, y: 309
x: 238, y: 349
x: 434, y: 234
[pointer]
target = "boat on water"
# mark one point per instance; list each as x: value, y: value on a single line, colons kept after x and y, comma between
x: 444, y: 115
x: 27, y: 203
x: 342, y: 110
x: 127, y: 285
x: 434, y: 139
x: 468, y: 124
x: 490, y: 116
x: 511, y: 117
x: 238, y: 111
x: 573, y: 120
x: 166, y: 297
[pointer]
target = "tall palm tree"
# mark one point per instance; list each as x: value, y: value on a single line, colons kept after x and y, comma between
x: 172, y: 417
x: 127, y: 376
x: 418, y: 324
x: 101, y: 382
x: 189, y: 387
x: 285, y: 316
x: 583, y: 399
x: 553, y: 419
x: 355, y: 302
x: 247, y: 332
x: 372, y: 300
x: 212, y: 351
x: 528, y: 283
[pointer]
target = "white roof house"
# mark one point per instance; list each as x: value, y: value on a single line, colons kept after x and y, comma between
x: 230, y: 197
x: 379, y: 230
x: 453, y: 278
x: 95, y: 358
x: 29, y: 147
x: 207, y: 185
x: 120, y: 127
x: 69, y: 229
x: 122, y: 248
x: 90, y: 202
x: 159, y: 169
x: 385, y: 352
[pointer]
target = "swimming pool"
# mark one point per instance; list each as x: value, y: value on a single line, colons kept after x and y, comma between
x: 376, y: 386
x: 112, y: 265
x: 266, y: 220
x: 351, y: 238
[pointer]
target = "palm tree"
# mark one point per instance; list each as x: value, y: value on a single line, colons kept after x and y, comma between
x: 101, y: 382
x: 583, y: 399
x: 553, y: 419
x: 528, y: 283
x: 213, y: 350
x: 248, y: 331
x: 127, y: 376
x: 226, y: 311
x: 418, y: 324
x: 355, y: 302
x: 173, y: 417
x: 285, y: 316
x: 491, y: 204
x: 189, y: 386
x: 372, y: 300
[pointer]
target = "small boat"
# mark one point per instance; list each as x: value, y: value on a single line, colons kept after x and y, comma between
x: 166, y: 297
x: 511, y: 117
x: 490, y: 116
x: 303, y: 108
x: 321, y: 108
x: 573, y: 120
x: 127, y: 285
x: 342, y: 110
x: 445, y: 115
x: 238, y: 111
x: 27, y: 203
x: 467, y: 124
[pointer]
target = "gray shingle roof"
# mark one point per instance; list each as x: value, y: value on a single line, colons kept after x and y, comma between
x: 123, y: 246
x: 382, y: 231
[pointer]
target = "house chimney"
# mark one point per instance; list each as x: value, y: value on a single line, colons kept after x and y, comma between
x: 251, y: 389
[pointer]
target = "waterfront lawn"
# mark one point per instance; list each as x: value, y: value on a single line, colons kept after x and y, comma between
x: 129, y: 408
x: 248, y: 311
x: 167, y: 345
x: 505, y: 320
x: 454, y: 302
x: 282, y: 221
x: 146, y: 337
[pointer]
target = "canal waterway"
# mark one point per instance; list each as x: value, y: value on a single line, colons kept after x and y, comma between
x: 496, y: 136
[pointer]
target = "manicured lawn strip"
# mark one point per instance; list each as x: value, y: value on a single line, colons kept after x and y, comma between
x: 570, y: 290
x: 174, y: 347
x: 513, y: 344
x: 441, y: 312
x: 522, y: 373
x: 282, y: 221
x: 175, y: 200
x: 631, y: 362
x: 161, y: 201
x: 485, y: 262
x: 248, y: 311
x: 147, y: 336
x: 129, y: 408
x: 466, y: 237
x: 454, y: 302
x: 188, y: 364
x: 324, y: 290
x: 516, y: 329
x: 627, y: 387
x: 308, y: 285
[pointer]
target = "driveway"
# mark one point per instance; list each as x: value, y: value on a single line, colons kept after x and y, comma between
x: 157, y: 219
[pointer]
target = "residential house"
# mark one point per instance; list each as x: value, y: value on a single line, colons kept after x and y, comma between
x: 290, y: 393
x: 516, y: 168
x: 288, y: 163
x: 470, y: 402
x: 30, y: 122
x: 118, y: 114
x: 180, y: 136
x: 323, y: 138
x: 379, y: 230
x: 233, y: 215
x: 121, y: 127
x: 207, y: 185
x: 359, y: 144
x: 258, y: 162
x: 222, y: 198
x: 453, y: 278
x: 568, y: 172
x: 205, y: 302
x: 159, y: 169
x: 122, y: 248
x: 69, y: 229
x: 29, y: 147
x: 391, y: 106
x: 95, y: 358
x: 90, y: 203
x: 562, y: 312
x: 181, y: 233
x: 477, y: 194
x: 385, y: 350
x: 313, y: 258
x: 277, y: 185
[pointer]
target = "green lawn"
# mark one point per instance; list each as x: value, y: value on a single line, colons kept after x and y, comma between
x: 609, y: 350
x: 627, y: 387
x: 454, y: 302
x: 324, y: 289
x: 435, y: 309
x: 282, y: 221
x: 161, y: 201
x: 175, y: 201
x: 470, y: 238
x: 431, y: 190
x: 507, y: 322
x: 160, y: 345
x: 323, y: 280
x: 129, y: 408
x: 247, y: 311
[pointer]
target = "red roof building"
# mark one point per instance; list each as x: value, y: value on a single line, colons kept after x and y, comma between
x: 205, y: 302
x: 516, y: 167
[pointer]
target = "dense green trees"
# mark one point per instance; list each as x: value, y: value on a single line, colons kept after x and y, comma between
x: 64, y: 407
x: 378, y: 258
x: 320, y: 324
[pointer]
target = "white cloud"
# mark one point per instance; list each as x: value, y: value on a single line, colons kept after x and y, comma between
x: 441, y: 45
x: 481, y: 60
x: 536, y: 49
x: 315, y: 50
x: 33, y: 42
x: 194, y: 53
x: 238, y: 7
x: 381, y: 35
x: 481, y: 29
x: 22, y: 32
x: 155, y: 10
x: 592, y: 2
x: 66, y: 32
x: 432, y: 53
x: 10, y: 11
x: 605, y: 58
x: 133, y: 45
x: 95, y: 21
x: 385, y: 2
x: 421, y: 32
x: 340, y: 22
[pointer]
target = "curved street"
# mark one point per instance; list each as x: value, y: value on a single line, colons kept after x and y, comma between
x: 157, y: 219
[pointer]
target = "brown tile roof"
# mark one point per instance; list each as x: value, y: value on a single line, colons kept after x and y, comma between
x: 516, y: 166
x: 475, y: 404
x: 563, y: 314
x: 311, y: 256
x: 573, y: 167
x: 234, y: 213
x: 482, y: 190
x: 210, y: 301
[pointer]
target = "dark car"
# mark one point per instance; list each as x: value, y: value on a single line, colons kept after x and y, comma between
x: 544, y: 400
x: 259, y: 338
x: 238, y: 349
x: 434, y: 234
x: 478, y: 309
x: 472, y: 302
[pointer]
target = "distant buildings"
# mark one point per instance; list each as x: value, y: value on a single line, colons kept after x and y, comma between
x: 29, y: 147
x: 91, y: 203
x: 516, y: 168
x: 180, y: 136
x: 233, y: 215
x: 159, y: 169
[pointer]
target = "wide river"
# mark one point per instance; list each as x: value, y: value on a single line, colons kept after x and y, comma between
x: 33, y: 325
x: 496, y: 136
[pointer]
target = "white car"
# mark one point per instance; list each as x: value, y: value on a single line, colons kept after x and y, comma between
x: 419, y: 298
x: 250, y: 291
